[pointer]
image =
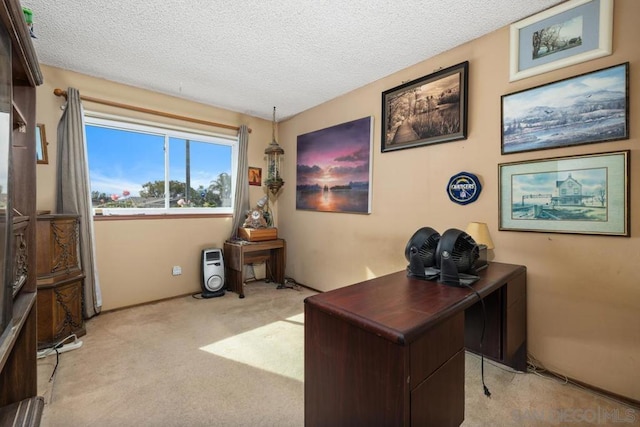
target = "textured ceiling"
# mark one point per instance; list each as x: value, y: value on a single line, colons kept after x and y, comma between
x: 250, y: 55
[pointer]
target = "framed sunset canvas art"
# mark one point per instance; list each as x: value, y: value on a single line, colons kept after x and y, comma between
x: 334, y: 168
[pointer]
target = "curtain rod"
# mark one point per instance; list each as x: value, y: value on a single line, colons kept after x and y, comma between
x: 60, y: 92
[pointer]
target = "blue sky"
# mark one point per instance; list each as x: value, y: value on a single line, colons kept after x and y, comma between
x: 124, y: 160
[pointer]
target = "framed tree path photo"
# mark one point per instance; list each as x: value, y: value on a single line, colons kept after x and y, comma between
x: 428, y: 110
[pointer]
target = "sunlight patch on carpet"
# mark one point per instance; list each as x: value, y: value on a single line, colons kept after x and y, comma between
x: 277, y: 347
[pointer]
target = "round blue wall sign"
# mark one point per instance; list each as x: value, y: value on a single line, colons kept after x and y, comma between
x: 464, y: 188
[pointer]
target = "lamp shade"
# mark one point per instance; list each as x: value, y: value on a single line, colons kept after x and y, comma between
x: 480, y: 233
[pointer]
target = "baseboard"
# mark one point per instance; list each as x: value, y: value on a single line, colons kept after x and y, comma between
x: 155, y: 301
x: 596, y: 390
x: 605, y: 393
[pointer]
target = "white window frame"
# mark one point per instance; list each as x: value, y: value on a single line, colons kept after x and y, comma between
x: 168, y: 131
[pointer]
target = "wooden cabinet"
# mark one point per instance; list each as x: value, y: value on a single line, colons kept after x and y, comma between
x: 59, y: 279
x: 390, y: 351
x: 19, y: 76
x: 57, y: 239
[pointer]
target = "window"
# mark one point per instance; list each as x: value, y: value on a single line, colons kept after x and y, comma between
x: 138, y: 169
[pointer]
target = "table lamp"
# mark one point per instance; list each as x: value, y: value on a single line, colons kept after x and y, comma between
x: 479, y: 231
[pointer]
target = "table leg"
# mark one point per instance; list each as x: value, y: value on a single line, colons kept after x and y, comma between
x: 234, y: 281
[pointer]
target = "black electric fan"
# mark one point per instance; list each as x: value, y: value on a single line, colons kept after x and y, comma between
x: 456, y: 256
x: 421, y: 253
x: 449, y: 258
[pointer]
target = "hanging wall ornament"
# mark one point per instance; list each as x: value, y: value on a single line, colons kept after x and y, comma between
x: 464, y: 188
x: 274, y: 155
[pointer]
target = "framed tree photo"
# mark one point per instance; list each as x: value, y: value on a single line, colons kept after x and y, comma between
x: 572, y: 32
x: 586, y: 194
x: 425, y: 111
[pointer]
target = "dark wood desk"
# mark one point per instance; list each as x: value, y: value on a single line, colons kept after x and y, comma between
x: 390, y: 351
x: 240, y: 253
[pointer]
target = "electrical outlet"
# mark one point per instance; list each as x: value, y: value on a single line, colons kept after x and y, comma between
x: 177, y: 270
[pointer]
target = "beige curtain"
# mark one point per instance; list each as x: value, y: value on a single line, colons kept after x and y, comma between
x: 73, y: 195
x: 241, y: 204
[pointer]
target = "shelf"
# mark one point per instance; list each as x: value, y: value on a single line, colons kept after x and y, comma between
x: 19, y: 122
x: 27, y: 412
x: 22, y: 306
x: 20, y: 73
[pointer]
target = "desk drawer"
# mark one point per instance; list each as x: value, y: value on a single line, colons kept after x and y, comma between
x: 439, y: 400
x: 435, y: 347
x: 257, y: 257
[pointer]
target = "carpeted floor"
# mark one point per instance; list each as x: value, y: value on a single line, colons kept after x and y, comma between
x: 239, y: 362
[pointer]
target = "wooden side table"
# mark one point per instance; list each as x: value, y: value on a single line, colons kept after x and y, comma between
x: 239, y: 253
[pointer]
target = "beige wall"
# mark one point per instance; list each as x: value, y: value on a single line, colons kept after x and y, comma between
x: 583, y: 291
x: 135, y: 257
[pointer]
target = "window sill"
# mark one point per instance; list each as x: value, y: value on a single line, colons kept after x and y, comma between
x: 157, y: 216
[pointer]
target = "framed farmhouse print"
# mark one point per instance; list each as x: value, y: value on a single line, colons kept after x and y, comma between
x: 589, y: 108
x: 334, y: 168
x: 586, y: 194
x: 567, y: 34
x: 429, y: 110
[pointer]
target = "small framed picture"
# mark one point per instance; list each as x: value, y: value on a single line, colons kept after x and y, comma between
x: 42, y: 157
x: 425, y: 111
x: 586, y: 194
x: 572, y: 32
x: 255, y: 176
